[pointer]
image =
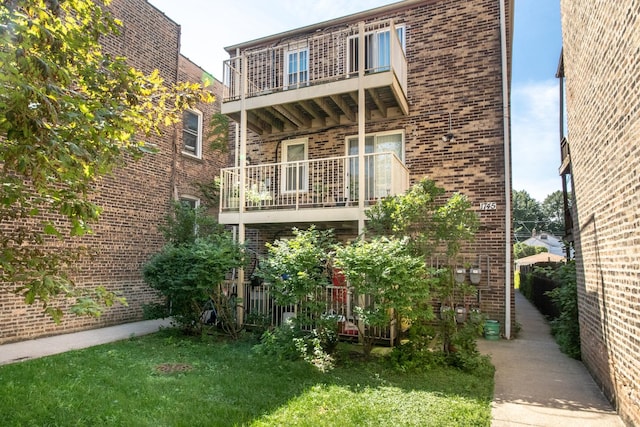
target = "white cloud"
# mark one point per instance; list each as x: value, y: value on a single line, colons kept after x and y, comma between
x: 535, y: 138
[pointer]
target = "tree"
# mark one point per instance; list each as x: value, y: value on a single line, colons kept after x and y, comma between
x: 388, y: 280
x: 69, y: 114
x: 297, y: 272
x: 520, y: 250
x: 527, y: 215
x: 434, y: 226
x: 295, y: 268
x: 553, y: 211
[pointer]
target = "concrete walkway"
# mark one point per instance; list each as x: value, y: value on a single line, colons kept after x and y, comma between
x: 32, y: 349
x: 537, y: 385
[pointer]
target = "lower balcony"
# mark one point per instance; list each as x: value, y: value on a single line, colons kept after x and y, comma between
x: 309, y: 191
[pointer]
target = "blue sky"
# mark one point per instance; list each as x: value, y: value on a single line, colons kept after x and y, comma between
x: 207, y: 27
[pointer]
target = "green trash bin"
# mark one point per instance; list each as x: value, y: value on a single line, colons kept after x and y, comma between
x: 492, y: 330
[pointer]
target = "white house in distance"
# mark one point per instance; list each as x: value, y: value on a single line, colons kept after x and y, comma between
x: 553, y: 244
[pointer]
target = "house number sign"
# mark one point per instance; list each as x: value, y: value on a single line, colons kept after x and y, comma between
x: 488, y: 206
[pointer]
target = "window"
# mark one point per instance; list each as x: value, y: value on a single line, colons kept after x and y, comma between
x: 295, y: 167
x: 377, y: 53
x: 192, y: 133
x: 189, y: 201
x: 377, y: 169
x: 297, y: 67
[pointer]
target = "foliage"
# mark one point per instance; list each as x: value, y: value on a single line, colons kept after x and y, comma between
x: 527, y: 215
x: 190, y: 269
x: 434, y: 226
x: 526, y: 286
x: 521, y: 250
x: 218, y: 134
x: 421, y: 215
x: 209, y: 192
x: 296, y: 271
x: 183, y: 224
x: 228, y: 385
x: 553, y: 212
x: 566, y: 327
x: 69, y: 114
x: 189, y: 275
x: 289, y: 342
x: 387, y: 280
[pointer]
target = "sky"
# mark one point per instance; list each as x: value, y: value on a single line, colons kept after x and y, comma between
x: 207, y: 27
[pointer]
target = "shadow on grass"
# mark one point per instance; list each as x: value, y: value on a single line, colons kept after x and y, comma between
x: 225, y: 383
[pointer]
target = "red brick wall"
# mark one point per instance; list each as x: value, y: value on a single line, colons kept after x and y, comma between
x: 601, y: 63
x: 453, y: 52
x: 135, y: 197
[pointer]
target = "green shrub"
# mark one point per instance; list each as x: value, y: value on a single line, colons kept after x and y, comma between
x: 289, y: 342
x: 526, y: 286
x: 566, y: 328
x: 190, y: 275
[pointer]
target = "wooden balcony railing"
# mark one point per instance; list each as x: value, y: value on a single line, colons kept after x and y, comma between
x: 330, y: 182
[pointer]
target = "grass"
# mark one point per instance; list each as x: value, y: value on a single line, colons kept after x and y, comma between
x: 168, y: 380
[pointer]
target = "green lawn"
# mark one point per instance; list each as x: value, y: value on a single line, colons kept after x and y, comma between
x: 167, y: 380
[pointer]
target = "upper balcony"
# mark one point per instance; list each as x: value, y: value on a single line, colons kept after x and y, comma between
x: 313, y: 82
x: 318, y: 190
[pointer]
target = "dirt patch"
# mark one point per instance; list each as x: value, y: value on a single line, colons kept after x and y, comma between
x: 169, y: 368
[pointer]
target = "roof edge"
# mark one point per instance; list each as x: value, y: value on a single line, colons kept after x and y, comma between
x: 331, y: 22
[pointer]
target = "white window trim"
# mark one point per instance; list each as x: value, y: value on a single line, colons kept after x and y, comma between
x: 304, y: 187
x: 190, y: 198
x: 403, y: 42
x: 198, y: 153
x: 286, y: 66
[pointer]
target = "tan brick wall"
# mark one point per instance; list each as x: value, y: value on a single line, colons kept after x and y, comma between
x: 136, y: 197
x: 602, y: 68
x: 453, y: 52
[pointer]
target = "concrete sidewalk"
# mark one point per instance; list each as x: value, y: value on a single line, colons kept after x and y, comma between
x: 537, y: 385
x: 32, y: 349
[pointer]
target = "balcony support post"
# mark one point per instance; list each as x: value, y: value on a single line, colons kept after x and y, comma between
x: 242, y: 169
x: 361, y: 127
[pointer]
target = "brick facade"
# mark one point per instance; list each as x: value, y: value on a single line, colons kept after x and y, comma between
x: 135, y: 197
x: 454, y: 66
x: 601, y: 65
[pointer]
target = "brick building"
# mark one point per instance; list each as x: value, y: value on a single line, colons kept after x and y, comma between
x: 600, y: 67
x: 136, y: 197
x: 322, y: 137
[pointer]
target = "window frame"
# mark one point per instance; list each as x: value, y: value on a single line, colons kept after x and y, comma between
x: 188, y: 198
x: 372, y: 50
x: 303, y: 172
x: 370, y: 166
x: 197, y: 151
x: 287, y: 75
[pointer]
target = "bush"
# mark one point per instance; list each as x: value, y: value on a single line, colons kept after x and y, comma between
x: 190, y: 275
x: 289, y: 342
x: 566, y: 328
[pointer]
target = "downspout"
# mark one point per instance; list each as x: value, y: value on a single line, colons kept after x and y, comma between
x: 507, y: 170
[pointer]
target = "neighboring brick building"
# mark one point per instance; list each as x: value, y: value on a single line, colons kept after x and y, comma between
x: 136, y: 197
x: 601, y: 155
x: 435, y: 93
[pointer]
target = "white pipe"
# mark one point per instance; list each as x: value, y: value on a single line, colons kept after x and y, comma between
x: 507, y: 171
